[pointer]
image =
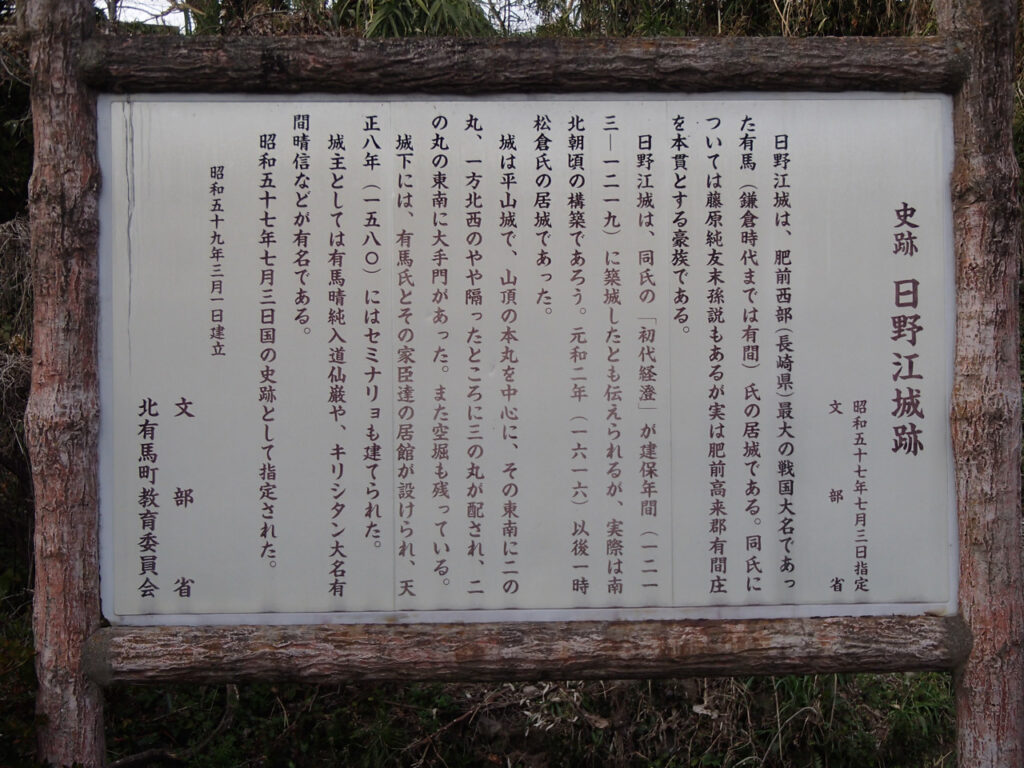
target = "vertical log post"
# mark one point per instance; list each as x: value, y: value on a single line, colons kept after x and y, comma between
x: 62, y: 420
x: 986, y: 418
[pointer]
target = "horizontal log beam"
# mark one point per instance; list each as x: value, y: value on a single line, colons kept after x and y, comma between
x: 518, y: 651
x: 465, y: 66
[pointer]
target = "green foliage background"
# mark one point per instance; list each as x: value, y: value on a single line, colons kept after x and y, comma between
x: 859, y: 721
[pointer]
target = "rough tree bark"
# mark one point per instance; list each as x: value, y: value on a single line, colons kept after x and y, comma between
x: 524, y: 651
x: 63, y: 414
x: 986, y: 417
x: 458, y: 65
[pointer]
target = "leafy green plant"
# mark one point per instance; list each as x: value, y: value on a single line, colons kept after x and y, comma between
x: 799, y: 18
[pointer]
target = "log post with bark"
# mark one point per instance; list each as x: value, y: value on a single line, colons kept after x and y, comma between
x: 986, y: 418
x: 62, y: 420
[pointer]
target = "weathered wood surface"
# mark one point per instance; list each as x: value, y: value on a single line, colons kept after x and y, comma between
x: 62, y: 420
x: 520, y: 651
x: 986, y: 419
x: 460, y: 66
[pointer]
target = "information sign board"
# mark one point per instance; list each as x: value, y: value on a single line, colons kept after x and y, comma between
x: 424, y: 359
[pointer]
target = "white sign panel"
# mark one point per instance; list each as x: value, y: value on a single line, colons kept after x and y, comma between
x: 517, y: 358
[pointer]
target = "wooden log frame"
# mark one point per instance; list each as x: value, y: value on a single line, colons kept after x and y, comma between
x: 461, y: 66
x: 527, y: 650
x: 501, y: 651
x: 972, y: 59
